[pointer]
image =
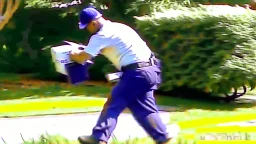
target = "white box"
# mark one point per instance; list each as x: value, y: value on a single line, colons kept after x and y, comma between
x: 60, y: 55
x: 112, y: 77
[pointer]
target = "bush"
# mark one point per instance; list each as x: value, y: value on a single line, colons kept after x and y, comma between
x: 228, y: 2
x: 35, y: 26
x: 47, y: 26
x: 210, y: 48
x: 32, y: 29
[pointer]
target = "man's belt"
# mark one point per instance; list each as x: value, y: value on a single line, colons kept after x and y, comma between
x: 137, y: 65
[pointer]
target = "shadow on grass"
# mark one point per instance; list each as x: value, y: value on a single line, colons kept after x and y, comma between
x: 193, y: 99
x: 213, y: 105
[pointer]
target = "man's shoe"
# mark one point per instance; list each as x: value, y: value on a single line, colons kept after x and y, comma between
x: 89, y: 140
x: 168, y: 141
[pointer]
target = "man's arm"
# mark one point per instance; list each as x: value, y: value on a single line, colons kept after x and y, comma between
x: 80, y: 56
x: 95, y: 45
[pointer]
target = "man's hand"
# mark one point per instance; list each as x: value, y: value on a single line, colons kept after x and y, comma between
x: 79, y: 56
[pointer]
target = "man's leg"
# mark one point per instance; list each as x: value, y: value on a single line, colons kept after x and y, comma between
x: 146, y: 113
x: 108, y: 118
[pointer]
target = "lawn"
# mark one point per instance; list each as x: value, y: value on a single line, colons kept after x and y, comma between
x: 57, y: 139
x: 24, y: 97
x: 47, y: 106
x: 182, y: 139
x: 39, y: 99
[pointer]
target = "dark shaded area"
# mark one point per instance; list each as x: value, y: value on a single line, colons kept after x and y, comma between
x: 193, y: 99
x: 189, y: 93
x: 195, y: 94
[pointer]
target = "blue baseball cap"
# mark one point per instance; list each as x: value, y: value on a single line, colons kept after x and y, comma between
x: 87, y: 15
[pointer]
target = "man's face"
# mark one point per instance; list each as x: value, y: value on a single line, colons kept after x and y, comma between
x: 91, y: 27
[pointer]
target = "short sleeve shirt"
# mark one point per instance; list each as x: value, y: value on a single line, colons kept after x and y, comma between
x: 119, y: 43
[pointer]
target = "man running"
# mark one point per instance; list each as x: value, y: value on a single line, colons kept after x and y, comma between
x: 135, y: 89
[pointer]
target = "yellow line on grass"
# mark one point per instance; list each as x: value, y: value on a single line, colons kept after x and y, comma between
x: 227, y: 142
x: 216, y: 120
x: 221, y: 135
x: 227, y: 129
x: 46, y: 104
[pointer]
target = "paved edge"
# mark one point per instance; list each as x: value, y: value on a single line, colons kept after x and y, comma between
x: 51, y: 114
x: 88, y: 111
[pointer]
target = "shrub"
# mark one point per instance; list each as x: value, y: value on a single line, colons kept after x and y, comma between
x: 32, y: 29
x: 210, y: 48
x: 227, y: 2
x: 36, y: 26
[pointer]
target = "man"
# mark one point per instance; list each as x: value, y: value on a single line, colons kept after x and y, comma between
x: 131, y: 55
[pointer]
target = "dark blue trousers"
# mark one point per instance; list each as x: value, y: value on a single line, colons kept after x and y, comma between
x: 135, y: 91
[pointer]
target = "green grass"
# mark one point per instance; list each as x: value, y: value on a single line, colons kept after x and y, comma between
x: 189, y: 109
x: 57, y: 139
x: 52, y: 91
x: 182, y: 139
x: 47, y: 106
x: 8, y: 77
x: 61, y: 99
x: 195, y: 109
x: 17, y: 91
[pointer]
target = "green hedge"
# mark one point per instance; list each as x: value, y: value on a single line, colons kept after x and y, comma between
x: 230, y: 2
x: 50, y: 26
x: 211, y: 48
x: 45, y: 28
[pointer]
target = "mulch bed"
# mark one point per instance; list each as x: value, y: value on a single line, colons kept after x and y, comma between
x: 25, y: 82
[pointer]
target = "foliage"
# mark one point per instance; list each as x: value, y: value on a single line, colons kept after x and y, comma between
x: 37, y: 25
x: 38, y: 3
x: 146, y: 7
x: 230, y: 2
x: 143, y: 7
x: 45, y: 3
x: 211, y: 48
x: 28, y: 32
